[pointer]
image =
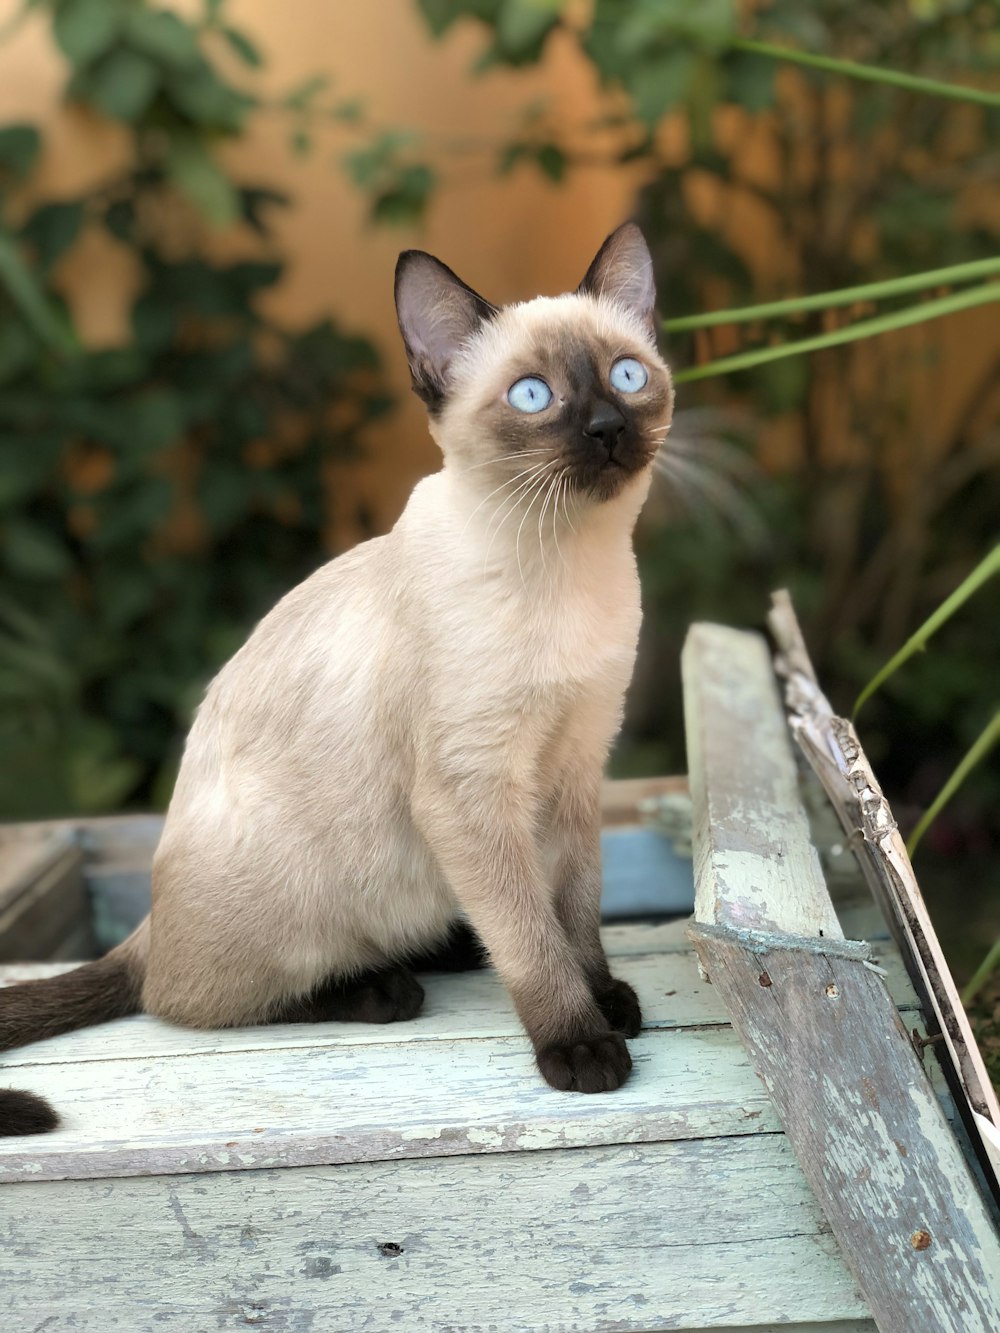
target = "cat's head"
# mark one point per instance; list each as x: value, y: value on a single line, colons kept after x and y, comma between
x: 569, y: 386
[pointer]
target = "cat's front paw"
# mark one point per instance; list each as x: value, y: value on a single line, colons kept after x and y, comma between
x: 590, y: 1064
x: 620, y: 1006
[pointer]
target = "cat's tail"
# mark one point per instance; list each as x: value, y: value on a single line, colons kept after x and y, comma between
x: 110, y: 987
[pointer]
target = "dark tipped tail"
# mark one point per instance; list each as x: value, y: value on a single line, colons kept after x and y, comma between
x: 110, y: 987
x: 24, y: 1113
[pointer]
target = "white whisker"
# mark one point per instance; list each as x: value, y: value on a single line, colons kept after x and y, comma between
x: 503, y: 486
x: 517, y: 539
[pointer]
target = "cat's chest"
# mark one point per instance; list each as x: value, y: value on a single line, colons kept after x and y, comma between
x: 560, y: 637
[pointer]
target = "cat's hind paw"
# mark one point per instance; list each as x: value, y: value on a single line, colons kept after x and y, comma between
x: 620, y: 1006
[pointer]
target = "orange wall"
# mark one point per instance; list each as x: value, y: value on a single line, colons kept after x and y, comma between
x: 510, y: 238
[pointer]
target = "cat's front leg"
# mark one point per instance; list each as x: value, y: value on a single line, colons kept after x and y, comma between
x: 484, y: 842
x: 576, y: 847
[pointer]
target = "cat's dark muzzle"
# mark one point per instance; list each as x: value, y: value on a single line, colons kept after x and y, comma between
x: 601, y: 470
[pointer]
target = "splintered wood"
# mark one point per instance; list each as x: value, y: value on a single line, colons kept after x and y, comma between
x: 833, y: 750
x: 815, y: 1016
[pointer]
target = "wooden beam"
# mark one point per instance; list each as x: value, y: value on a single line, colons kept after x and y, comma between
x: 815, y: 1017
x: 833, y: 750
x: 755, y: 867
x: 44, y: 909
x: 867, y: 1129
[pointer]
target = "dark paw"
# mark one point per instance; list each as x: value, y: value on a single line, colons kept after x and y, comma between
x: 592, y: 1064
x: 620, y: 1006
x: 386, y: 997
x: 389, y: 996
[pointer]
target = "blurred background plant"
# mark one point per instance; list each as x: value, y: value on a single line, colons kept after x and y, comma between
x: 157, y: 495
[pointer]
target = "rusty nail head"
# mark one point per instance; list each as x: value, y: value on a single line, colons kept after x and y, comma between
x: 765, y: 979
x: 920, y: 1240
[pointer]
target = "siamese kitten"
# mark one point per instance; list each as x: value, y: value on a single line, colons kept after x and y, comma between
x: 415, y: 735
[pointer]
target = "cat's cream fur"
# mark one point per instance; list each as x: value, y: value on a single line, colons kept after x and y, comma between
x: 419, y: 729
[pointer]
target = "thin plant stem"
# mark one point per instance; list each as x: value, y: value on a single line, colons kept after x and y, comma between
x: 852, y: 69
x: 982, y: 974
x: 869, y: 291
x: 985, y: 570
x: 867, y: 328
x: 980, y: 748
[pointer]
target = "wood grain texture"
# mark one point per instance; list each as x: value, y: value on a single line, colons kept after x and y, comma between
x: 464, y: 1006
x: 831, y: 745
x: 867, y: 1130
x: 44, y: 912
x: 755, y: 867
x: 327, y: 1104
x: 553, y: 1242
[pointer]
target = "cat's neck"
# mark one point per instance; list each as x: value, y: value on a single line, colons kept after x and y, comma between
x: 542, y: 539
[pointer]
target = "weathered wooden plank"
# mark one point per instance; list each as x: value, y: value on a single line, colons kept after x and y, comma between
x: 624, y: 1238
x: 468, y: 1005
x: 43, y: 903
x: 866, y: 1128
x: 755, y: 867
x: 834, y: 751
x: 332, y: 1103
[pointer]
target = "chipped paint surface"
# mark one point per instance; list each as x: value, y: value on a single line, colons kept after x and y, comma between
x: 755, y: 867
x: 608, y: 1239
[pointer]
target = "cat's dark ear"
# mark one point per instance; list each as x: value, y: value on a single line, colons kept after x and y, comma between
x: 437, y: 312
x: 623, y: 272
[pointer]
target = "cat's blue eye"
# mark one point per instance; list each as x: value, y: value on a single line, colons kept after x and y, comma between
x: 529, y: 395
x: 628, y: 375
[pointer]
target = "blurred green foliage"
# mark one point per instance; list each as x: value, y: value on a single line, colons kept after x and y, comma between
x: 867, y: 512
x: 158, y: 497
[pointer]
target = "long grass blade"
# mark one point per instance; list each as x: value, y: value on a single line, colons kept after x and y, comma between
x: 982, y: 974
x: 985, y: 570
x: 868, y: 291
x: 915, y: 83
x: 865, y: 328
x: 980, y: 748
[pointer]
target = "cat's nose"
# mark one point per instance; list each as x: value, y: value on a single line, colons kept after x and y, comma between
x: 606, y: 424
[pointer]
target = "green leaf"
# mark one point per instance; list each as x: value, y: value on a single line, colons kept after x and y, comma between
x: 301, y: 98
x: 980, y: 748
x: 33, y: 552
x: 19, y: 148
x: 551, y: 161
x: 197, y: 175
x: 27, y: 294
x: 164, y: 37
x: 983, y: 572
x: 202, y: 96
x: 243, y: 47
x: 658, y: 86
x: 17, y: 350
x: 123, y: 84
x: 52, y: 229
x: 439, y: 15
x: 349, y: 112
x: 523, y: 26
x: 119, y: 218
x: 405, y: 201
x: 86, y: 29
